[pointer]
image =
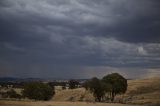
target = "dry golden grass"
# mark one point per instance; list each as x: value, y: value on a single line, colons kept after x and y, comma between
x: 79, y: 94
x: 51, y: 103
x: 140, y: 91
x: 144, y: 91
x: 134, y: 84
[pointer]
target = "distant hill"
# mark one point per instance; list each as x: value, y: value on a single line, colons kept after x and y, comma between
x: 12, y: 79
x: 8, y: 79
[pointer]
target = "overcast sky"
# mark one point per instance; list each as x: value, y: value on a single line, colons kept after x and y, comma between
x: 79, y: 38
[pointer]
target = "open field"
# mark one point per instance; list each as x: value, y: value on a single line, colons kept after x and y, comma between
x: 140, y: 92
x: 144, y: 91
x: 51, y: 103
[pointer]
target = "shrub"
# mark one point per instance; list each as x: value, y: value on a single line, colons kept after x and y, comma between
x: 73, y: 84
x: 38, y: 91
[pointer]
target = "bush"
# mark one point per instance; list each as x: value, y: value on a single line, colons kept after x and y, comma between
x: 73, y: 84
x: 38, y: 91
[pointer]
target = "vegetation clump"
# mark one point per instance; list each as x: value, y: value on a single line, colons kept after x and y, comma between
x: 73, y: 84
x: 38, y: 91
x: 117, y: 84
x: 111, y: 84
x: 97, y: 87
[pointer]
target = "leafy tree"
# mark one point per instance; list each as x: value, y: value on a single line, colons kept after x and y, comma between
x: 97, y: 87
x: 38, y: 91
x: 117, y: 83
x: 73, y: 84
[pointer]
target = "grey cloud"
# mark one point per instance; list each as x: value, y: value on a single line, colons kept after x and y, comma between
x: 80, y: 33
x: 129, y: 21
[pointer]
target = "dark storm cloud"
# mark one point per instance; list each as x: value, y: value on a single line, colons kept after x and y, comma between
x: 130, y: 21
x: 58, y: 36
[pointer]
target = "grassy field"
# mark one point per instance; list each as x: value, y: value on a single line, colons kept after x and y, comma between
x: 144, y: 91
x: 51, y: 103
x: 140, y: 91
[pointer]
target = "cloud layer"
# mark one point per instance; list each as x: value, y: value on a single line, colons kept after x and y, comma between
x: 62, y: 38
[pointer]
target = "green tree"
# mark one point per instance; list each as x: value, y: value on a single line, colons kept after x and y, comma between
x: 73, y: 84
x: 38, y: 91
x: 97, y: 87
x: 117, y: 84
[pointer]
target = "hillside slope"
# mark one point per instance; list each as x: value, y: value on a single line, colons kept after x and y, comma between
x: 140, y: 91
x: 143, y: 91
